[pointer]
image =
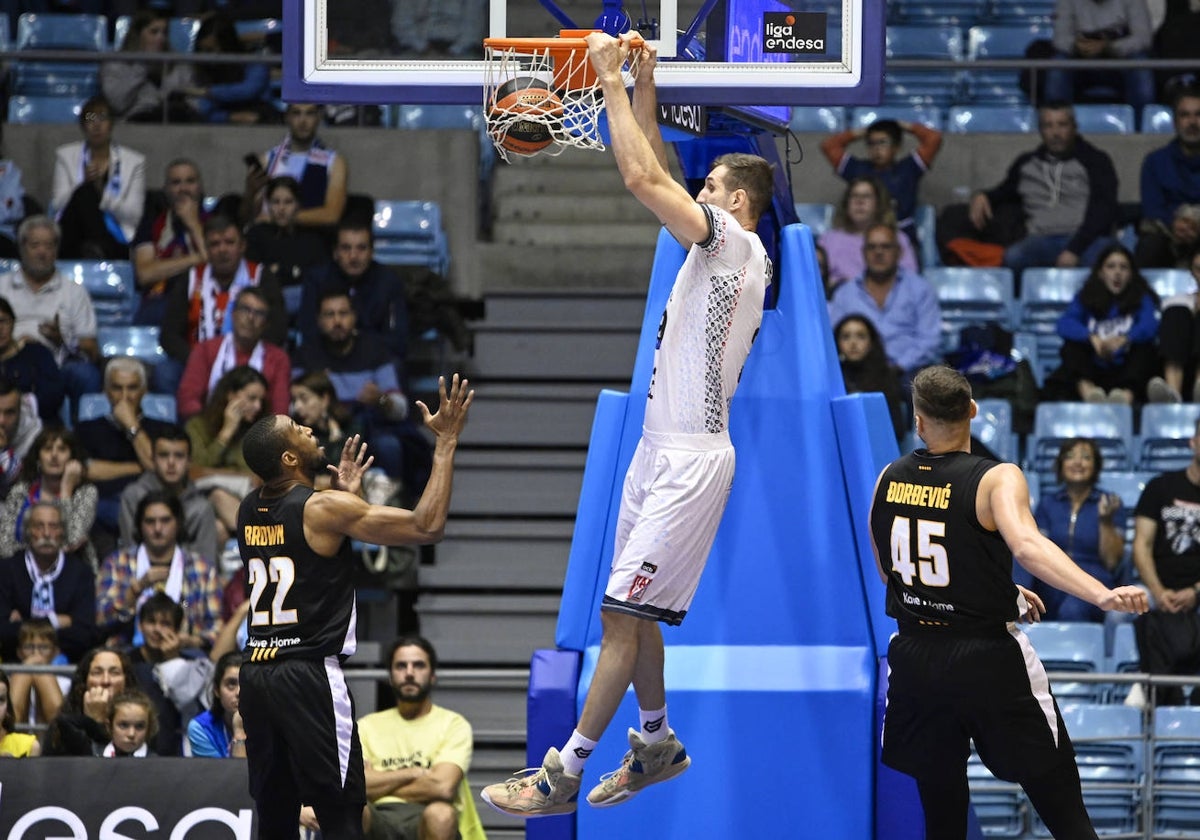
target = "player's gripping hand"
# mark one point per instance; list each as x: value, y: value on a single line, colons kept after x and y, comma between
x: 1031, y: 606
x: 453, y: 403
x: 1130, y: 599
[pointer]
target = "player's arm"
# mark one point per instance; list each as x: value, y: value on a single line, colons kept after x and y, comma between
x: 644, y: 176
x: 1003, y: 502
x: 645, y: 104
x: 438, y: 784
x: 330, y: 212
x: 883, y: 575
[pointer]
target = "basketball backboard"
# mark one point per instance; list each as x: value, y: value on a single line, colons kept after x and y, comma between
x: 712, y: 52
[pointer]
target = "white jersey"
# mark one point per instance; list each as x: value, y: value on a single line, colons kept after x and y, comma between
x: 711, y: 321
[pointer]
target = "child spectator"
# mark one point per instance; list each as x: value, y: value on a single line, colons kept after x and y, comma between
x: 37, y: 697
x: 1108, y: 333
x: 865, y: 202
x: 13, y: 744
x: 81, y: 727
x: 132, y: 724
x: 1179, y: 343
x: 217, y: 731
x: 901, y: 177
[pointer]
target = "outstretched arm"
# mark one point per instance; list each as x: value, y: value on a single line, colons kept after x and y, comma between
x: 645, y: 104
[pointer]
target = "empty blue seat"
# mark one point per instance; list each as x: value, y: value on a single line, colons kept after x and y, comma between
x: 62, y: 32
x: 998, y: 805
x: 818, y: 119
x: 971, y: 296
x: 1000, y: 119
x: 43, y: 109
x: 1021, y: 11
x: 929, y: 116
x: 110, y: 285
x: 1073, y: 647
x: 1169, y: 282
x: 1157, y: 119
x: 1110, y: 425
x: 258, y: 30
x: 939, y: 11
x: 992, y: 426
x: 1045, y: 295
x: 929, y: 89
x: 817, y: 216
x: 1104, y: 119
x: 999, y: 41
x: 924, y: 42
x: 138, y: 342
x: 410, y: 233
x: 441, y: 116
x: 1124, y: 658
x: 1025, y: 348
x: 1166, y: 430
x: 1109, y: 753
x: 926, y: 220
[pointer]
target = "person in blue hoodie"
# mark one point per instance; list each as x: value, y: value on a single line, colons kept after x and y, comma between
x: 1170, y: 187
x: 1108, y: 332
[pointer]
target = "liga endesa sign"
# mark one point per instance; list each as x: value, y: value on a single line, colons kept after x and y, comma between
x: 125, y: 799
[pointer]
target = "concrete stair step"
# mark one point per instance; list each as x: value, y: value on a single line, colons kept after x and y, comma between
x: 557, y: 307
x: 498, y: 630
x: 565, y: 233
x: 588, y: 266
x: 570, y: 354
x: 525, y: 555
x: 517, y: 483
x: 597, y: 208
x: 564, y: 418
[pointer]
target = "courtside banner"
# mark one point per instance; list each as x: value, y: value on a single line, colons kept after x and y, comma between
x: 125, y: 799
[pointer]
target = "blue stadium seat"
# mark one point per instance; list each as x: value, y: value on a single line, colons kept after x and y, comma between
x: 1021, y: 11
x: 1129, y: 486
x: 1104, y: 119
x: 1157, y: 119
x: 1124, y: 657
x: 939, y: 11
x: 1075, y: 647
x: 924, y: 42
x: 59, y: 32
x: 999, y: 41
x: 1176, y: 763
x: 932, y: 117
x: 452, y: 116
x: 1165, y: 432
x: 1025, y: 348
x: 5, y: 33
x: 1169, y: 282
x: 998, y: 805
x: 1053, y: 422
x: 926, y: 219
x: 154, y: 406
x: 181, y: 33
x: 1001, y: 119
x: 138, y: 342
x: 258, y: 30
x: 43, y: 109
x: 410, y: 233
x: 110, y: 285
x: 818, y: 119
x: 1045, y: 295
x: 971, y: 296
x: 993, y: 427
x: 817, y: 216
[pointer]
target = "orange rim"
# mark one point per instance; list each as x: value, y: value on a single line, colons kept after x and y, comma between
x: 569, y: 73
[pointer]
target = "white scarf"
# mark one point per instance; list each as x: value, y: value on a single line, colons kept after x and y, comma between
x: 42, y: 605
x: 111, y: 752
x: 227, y: 360
x: 174, y: 584
x: 213, y: 323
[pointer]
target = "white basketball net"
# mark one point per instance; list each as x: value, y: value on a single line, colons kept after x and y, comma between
x: 577, y: 124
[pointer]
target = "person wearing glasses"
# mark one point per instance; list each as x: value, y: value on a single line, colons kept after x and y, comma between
x: 201, y: 300
x: 898, y: 302
x: 214, y: 357
x: 99, y: 189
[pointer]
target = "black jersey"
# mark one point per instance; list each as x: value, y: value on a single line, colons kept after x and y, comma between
x: 301, y: 603
x: 944, y: 568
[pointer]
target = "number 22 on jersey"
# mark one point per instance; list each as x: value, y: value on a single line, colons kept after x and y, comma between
x: 932, y: 566
x: 280, y: 571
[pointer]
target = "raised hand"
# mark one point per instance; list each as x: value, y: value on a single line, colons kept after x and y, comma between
x: 452, y: 407
x: 348, y: 473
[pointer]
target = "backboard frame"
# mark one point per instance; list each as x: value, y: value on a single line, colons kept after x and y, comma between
x: 311, y: 75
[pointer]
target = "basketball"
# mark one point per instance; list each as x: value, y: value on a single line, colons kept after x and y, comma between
x: 523, y: 105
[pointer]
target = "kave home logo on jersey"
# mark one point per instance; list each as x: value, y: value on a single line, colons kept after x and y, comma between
x: 793, y: 32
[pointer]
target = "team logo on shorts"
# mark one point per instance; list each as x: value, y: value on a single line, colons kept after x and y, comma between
x: 638, y: 588
x: 649, y: 567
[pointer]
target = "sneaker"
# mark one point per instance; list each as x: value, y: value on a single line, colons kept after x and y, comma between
x: 1158, y: 391
x: 644, y: 765
x: 536, y: 791
x: 1095, y: 394
x: 1120, y: 396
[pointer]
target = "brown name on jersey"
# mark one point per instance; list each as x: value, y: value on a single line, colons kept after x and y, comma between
x: 263, y: 535
x: 920, y: 495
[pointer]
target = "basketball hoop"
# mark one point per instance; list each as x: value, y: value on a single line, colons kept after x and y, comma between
x: 542, y: 94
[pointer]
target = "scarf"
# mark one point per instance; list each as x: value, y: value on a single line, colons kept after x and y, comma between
x: 111, y: 752
x: 42, y: 603
x: 113, y: 187
x: 205, y: 296
x: 174, y: 585
x: 227, y: 360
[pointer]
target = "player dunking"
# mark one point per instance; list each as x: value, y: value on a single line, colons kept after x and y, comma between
x: 946, y: 526
x: 680, y: 476
x: 301, y: 741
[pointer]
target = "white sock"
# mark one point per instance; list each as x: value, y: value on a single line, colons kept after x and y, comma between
x: 654, y: 725
x: 576, y: 753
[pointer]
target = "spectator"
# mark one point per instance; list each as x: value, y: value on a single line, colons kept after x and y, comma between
x: 169, y: 242
x: 417, y: 756
x: 883, y: 139
x: 280, y: 244
x: 52, y: 309
x: 1108, y: 333
x: 121, y: 443
x: 865, y: 366
x: 1170, y: 189
x: 43, y: 581
x: 159, y: 564
x: 55, y: 474
x: 315, y: 404
x: 37, y: 697
x: 1179, y: 343
x: 865, y: 203
x: 99, y: 189
x: 450, y: 27
x: 141, y: 91
x: 228, y: 93
x: 1065, y: 191
x: 363, y: 373
x: 200, y: 303
x: 214, y: 357
x: 1086, y: 522
x: 900, y: 303
x: 1166, y: 552
x: 217, y: 732
x: 172, y: 475
x: 13, y: 744
x: 1097, y: 29
x: 19, y: 425
x: 321, y: 172
x: 376, y: 291
x: 239, y: 400
x: 132, y: 725
x: 81, y: 726
x: 13, y: 207
x: 30, y: 367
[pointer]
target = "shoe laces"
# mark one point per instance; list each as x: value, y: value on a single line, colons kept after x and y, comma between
x: 524, y: 778
x: 625, y: 765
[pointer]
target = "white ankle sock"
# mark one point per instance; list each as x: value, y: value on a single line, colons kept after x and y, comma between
x: 654, y: 725
x: 576, y: 753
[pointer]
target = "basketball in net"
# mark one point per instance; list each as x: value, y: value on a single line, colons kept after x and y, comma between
x: 530, y: 110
